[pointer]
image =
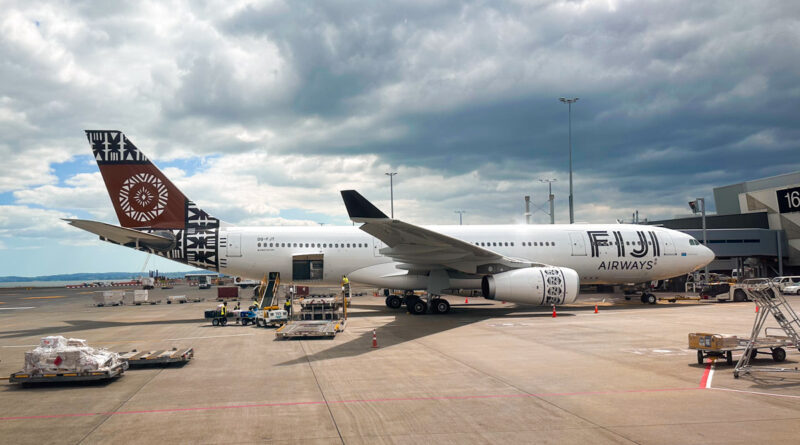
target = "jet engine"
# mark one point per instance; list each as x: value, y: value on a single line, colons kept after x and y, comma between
x: 543, y: 286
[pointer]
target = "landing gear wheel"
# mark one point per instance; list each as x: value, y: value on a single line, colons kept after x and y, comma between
x: 778, y: 354
x: 215, y: 322
x: 440, y: 306
x: 417, y: 307
x: 700, y: 357
x: 394, y: 302
x: 651, y: 299
x: 729, y: 358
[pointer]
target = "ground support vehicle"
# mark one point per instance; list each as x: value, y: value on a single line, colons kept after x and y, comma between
x: 216, y: 317
x: 271, y: 316
x: 244, y: 317
x: 316, y: 316
x: 723, y: 345
x: 113, y: 372
x: 136, y: 358
x: 310, y: 328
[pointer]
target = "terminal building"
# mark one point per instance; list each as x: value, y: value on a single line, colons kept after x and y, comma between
x: 756, y: 227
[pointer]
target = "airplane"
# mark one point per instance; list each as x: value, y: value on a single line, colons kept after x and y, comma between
x: 529, y: 264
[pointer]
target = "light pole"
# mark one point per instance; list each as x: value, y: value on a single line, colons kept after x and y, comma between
x: 391, y: 189
x: 569, y: 103
x: 693, y: 205
x: 460, y: 216
x: 550, y: 197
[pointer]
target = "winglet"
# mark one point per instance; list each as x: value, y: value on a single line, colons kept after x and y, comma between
x: 359, y: 208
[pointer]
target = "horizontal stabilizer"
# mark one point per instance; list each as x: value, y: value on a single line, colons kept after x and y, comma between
x: 124, y: 236
x: 359, y: 208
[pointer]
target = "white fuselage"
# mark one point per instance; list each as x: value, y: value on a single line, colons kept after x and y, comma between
x: 600, y: 253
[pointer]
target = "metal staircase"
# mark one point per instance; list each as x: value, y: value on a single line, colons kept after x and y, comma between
x: 268, y: 291
x: 770, y: 300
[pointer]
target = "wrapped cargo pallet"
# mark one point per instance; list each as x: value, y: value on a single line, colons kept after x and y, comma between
x: 57, y: 354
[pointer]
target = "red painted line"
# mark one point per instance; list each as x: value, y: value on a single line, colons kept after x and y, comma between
x: 704, y: 380
x: 379, y: 400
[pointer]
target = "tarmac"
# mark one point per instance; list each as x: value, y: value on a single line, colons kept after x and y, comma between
x: 487, y: 372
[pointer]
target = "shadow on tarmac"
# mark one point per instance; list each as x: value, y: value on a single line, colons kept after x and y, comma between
x: 82, y: 325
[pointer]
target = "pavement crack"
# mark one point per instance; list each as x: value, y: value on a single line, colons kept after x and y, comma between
x: 321, y: 392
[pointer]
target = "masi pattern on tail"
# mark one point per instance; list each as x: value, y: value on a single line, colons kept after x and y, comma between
x: 146, y: 200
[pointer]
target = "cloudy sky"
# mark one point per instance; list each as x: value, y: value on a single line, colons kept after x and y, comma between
x: 262, y: 111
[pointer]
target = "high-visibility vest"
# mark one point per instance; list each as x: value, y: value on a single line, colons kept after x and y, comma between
x: 345, y: 280
x: 288, y: 303
x: 222, y: 311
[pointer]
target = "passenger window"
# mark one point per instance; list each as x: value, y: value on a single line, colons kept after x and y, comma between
x: 336, y: 245
x: 283, y: 244
x: 494, y: 244
x: 348, y: 245
x: 270, y: 245
x: 554, y: 244
x: 512, y: 243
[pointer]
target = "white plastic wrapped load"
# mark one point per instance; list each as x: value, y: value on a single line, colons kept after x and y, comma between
x: 56, y: 354
x: 108, y: 297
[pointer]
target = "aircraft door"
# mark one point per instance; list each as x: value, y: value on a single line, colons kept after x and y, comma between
x: 667, y: 244
x: 578, y: 245
x: 234, y: 244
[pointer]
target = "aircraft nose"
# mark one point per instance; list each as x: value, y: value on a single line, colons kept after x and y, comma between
x: 707, y: 255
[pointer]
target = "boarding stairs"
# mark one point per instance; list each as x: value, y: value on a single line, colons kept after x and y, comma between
x: 770, y: 301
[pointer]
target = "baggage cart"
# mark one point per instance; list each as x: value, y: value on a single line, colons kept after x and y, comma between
x: 136, y: 358
x: 723, y: 346
x: 216, y: 317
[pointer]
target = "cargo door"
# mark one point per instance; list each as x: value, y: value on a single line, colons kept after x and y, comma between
x: 307, y: 267
x: 234, y: 244
x: 578, y: 245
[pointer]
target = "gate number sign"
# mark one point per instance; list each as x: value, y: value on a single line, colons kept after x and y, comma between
x: 789, y: 200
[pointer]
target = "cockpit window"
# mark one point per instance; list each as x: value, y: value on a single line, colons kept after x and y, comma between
x: 693, y: 242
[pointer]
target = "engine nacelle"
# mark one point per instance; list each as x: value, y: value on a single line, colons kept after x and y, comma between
x: 543, y: 286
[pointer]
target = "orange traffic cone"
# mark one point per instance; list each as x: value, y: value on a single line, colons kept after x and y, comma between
x: 466, y: 300
x: 503, y: 302
x: 554, y: 311
x: 756, y: 309
x: 595, y: 308
x: 374, y: 339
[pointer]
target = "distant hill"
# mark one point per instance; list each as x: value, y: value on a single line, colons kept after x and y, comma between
x: 93, y: 276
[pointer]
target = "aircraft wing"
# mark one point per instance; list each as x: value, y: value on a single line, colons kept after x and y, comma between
x: 124, y: 236
x: 421, y: 248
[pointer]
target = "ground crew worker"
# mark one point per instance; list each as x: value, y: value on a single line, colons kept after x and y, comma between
x: 224, y: 309
x: 288, y: 306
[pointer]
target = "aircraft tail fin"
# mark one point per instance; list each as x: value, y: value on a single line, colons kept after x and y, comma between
x: 143, y: 197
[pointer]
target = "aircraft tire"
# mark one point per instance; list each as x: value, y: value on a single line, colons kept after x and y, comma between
x: 440, y: 306
x: 417, y: 307
x: 394, y: 302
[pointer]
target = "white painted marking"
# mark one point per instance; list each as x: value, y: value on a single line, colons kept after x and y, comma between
x: 757, y: 393
x: 21, y: 346
x: 16, y: 308
x: 210, y: 336
x: 710, y: 375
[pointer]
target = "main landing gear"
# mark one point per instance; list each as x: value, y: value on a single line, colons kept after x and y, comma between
x: 417, y: 305
x: 648, y: 298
